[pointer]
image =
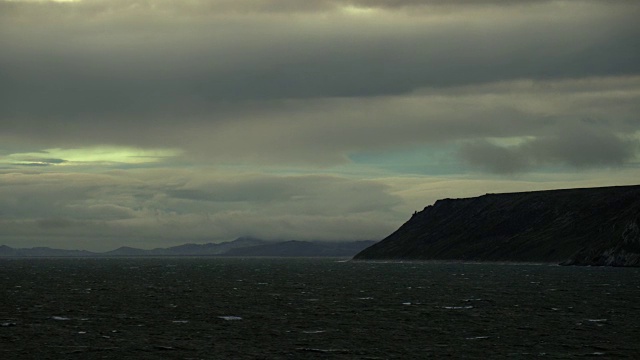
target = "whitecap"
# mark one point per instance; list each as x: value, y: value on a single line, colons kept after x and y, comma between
x: 180, y: 321
x: 596, y: 320
x: 316, y: 350
x: 230, y: 318
x: 457, y: 307
x: 314, y: 331
x: 60, y: 318
x: 477, y: 338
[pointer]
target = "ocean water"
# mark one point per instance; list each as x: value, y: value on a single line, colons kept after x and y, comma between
x: 221, y: 308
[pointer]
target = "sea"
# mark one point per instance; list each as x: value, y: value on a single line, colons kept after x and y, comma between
x: 314, y: 308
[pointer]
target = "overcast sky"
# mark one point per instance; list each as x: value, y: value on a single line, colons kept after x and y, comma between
x: 155, y: 123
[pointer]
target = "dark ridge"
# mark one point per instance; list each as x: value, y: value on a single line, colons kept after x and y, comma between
x: 590, y: 226
x: 6, y: 251
x: 244, y: 246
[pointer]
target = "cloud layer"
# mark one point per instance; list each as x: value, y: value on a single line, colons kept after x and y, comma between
x: 280, y: 118
x: 164, y: 207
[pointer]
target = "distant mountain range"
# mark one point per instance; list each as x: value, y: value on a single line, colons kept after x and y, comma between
x: 593, y: 226
x: 243, y: 246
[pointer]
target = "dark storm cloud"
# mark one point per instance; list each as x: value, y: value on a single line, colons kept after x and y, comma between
x: 99, y: 72
x: 494, y: 158
x: 575, y: 146
x: 583, y: 147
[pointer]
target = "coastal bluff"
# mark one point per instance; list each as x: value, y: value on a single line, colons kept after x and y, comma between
x: 586, y: 226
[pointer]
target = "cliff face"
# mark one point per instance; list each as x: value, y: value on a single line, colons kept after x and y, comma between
x: 596, y: 226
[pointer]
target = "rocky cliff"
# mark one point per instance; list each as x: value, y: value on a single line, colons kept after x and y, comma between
x: 594, y: 226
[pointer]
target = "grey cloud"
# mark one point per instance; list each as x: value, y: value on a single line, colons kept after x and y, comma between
x: 304, y: 194
x: 167, y: 8
x: 54, y: 222
x: 325, y: 131
x: 176, y: 205
x: 38, y: 162
x: 97, y: 8
x: 221, y: 195
x: 238, y: 190
x: 31, y: 164
x: 584, y: 147
x: 154, y: 82
x: 102, y: 74
x: 100, y: 212
x: 575, y: 146
x: 494, y: 158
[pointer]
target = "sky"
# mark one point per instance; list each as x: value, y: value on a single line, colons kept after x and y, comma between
x: 156, y: 123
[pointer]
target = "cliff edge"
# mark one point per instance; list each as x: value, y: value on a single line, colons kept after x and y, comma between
x: 591, y: 226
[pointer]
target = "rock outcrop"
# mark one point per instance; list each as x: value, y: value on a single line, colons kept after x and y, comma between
x: 593, y: 226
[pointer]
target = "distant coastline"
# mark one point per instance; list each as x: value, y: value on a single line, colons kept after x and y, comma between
x: 245, y: 247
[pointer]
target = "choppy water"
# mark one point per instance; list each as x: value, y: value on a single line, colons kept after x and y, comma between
x: 211, y: 308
